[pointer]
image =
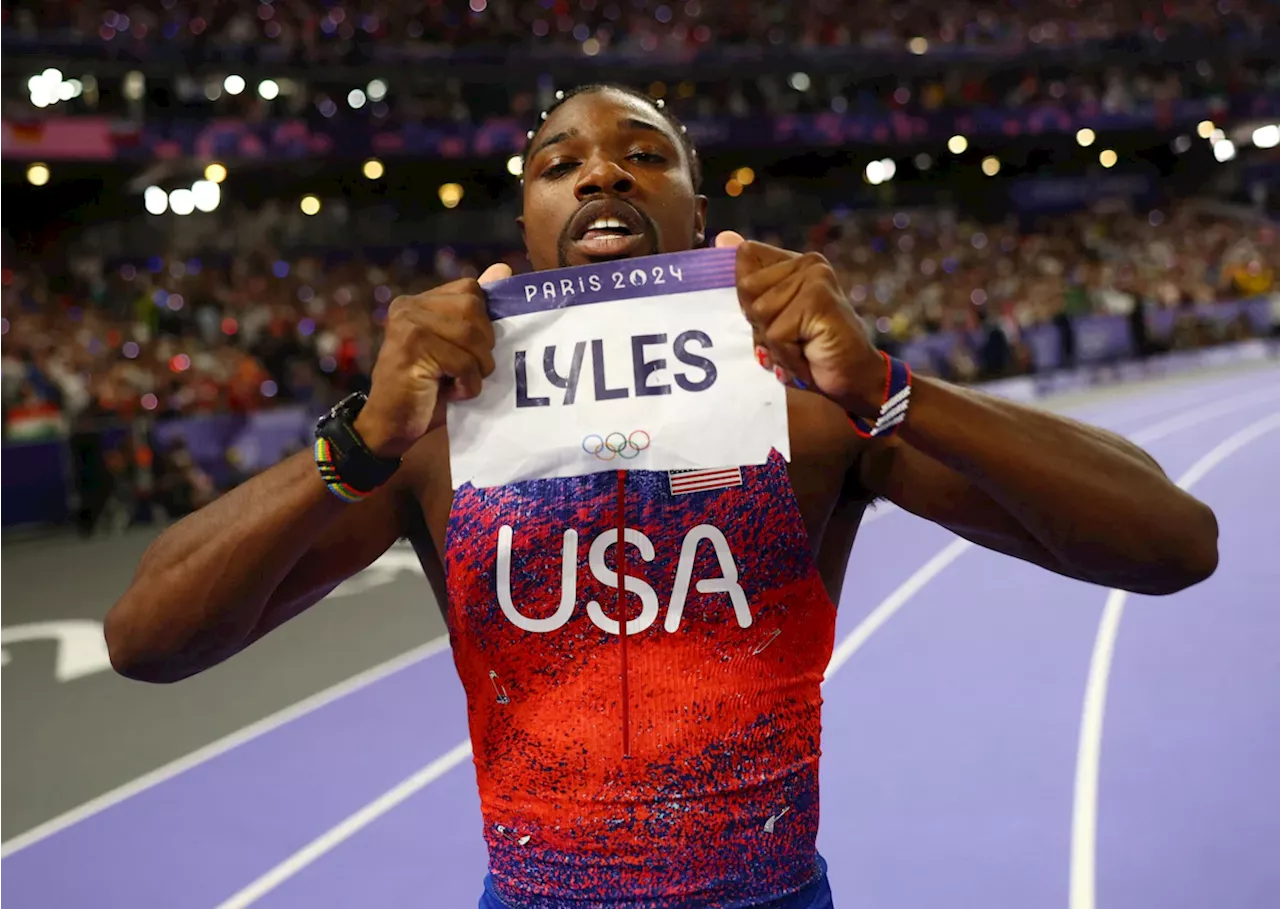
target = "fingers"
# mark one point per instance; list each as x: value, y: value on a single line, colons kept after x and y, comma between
x: 463, y: 371
x: 776, y: 296
x: 460, y: 300
x: 453, y: 317
x: 468, y: 334
x: 786, y: 302
x: 729, y: 239
x: 754, y: 256
x: 498, y: 271
x: 761, y: 267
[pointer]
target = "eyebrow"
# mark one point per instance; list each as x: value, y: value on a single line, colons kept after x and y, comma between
x: 625, y: 123
x: 553, y: 140
x: 634, y: 123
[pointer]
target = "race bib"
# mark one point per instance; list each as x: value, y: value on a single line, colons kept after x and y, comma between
x: 640, y: 364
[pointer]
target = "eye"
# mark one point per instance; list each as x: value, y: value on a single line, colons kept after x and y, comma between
x: 559, y: 169
x: 646, y: 157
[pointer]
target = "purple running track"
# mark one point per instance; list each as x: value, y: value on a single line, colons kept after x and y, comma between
x: 949, y: 745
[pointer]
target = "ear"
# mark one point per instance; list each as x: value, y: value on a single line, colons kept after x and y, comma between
x: 520, y: 224
x: 699, y: 221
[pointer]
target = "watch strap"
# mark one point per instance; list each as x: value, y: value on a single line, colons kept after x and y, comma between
x: 348, y: 468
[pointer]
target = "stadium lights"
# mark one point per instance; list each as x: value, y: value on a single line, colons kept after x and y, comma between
x: 1267, y: 136
x: 38, y: 174
x: 134, y: 86
x: 1108, y: 158
x: 233, y: 84
x: 733, y: 188
x: 48, y: 88
x: 215, y: 172
x: 991, y: 165
x: 1085, y: 137
x: 156, y: 200
x: 800, y: 81
x: 1205, y: 129
x: 957, y: 144
x: 515, y: 166
x: 202, y: 195
x: 881, y: 171
x: 745, y: 175
x: 918, y: 45
x: 1181, y: 144
x: 376, y: 90
x: 373, y: 169
x: 356, y: 98
x: 1224, y: 150
x: 206, y: 195
x: 182, y: 202
x: 450, y: 195
x: 268, y: 89
x: 310, y: 205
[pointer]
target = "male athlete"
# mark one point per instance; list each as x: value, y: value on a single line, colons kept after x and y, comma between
x: 675, y: 764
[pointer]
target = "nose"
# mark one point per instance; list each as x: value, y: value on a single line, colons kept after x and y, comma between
x: 603, y: 175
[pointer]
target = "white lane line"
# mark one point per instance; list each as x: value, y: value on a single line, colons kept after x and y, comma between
x: 877, y: 618
x: 1170, y: 398
x: 840, y: 655
x: 885, y: 610
x: 348, y: 828
x: 1200, y: 414
x: 223, y: 745
x: 944, y: 557
x: 1084, y: 814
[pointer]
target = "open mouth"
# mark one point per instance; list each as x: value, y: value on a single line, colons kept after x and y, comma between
x: 609, y: 229
x: 602, y: 228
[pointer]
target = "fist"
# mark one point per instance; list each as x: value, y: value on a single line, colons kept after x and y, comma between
x: 804, y: 327
x: 438, y: 348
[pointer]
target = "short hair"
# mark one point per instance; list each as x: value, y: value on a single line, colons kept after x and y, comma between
x: 691, y: 151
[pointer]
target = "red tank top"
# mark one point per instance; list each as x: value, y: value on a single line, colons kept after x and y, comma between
x: 701, y: 784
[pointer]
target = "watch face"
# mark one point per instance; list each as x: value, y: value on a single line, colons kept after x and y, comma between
x: 349, y: 406
x: 345, y: 411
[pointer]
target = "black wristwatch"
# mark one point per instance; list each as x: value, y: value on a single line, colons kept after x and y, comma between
x: 346, y: 463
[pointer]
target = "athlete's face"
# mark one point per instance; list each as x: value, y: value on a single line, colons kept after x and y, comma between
x: 608, y: 178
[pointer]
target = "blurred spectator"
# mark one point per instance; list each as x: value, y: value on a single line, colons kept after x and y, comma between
x: 312, y: 31
x: 252, y: 332
x: 101, y: 352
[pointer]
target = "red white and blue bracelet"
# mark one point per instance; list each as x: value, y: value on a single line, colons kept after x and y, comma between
x: 897, y: 398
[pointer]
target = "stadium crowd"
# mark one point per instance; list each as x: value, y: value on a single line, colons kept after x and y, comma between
x: 314, y: 31
x: 92, y: 344
x: 1082, y: 88
x: 186, y: 336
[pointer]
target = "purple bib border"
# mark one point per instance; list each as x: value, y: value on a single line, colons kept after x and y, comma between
x: 625, y: 279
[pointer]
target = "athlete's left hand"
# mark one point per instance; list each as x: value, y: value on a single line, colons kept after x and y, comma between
x: 805, y: 329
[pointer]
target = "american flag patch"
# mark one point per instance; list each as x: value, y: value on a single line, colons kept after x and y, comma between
x: 687, y: 481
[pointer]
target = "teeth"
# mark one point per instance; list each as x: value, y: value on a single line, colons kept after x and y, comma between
x: 606, y: 224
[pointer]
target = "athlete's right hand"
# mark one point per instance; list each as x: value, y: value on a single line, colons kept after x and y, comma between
x: 438, y: 348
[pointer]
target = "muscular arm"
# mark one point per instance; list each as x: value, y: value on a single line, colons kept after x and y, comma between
x: 248, y: 562
x: 1073, y: 498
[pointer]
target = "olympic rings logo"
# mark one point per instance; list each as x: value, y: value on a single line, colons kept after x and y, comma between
x: 616, y: 445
